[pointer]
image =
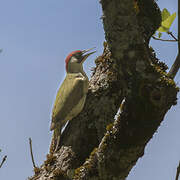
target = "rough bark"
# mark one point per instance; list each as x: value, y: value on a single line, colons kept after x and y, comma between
x: 129, y: 70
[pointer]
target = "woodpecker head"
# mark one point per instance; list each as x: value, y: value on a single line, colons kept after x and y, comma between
x: 74, y: 61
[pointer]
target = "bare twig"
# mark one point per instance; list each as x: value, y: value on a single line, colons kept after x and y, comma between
x: 171, y: 34
x: 178, y: 171
x: 4, y: 159
x: 32, y: 157
x: 175, y: 67
x: 167, y: 40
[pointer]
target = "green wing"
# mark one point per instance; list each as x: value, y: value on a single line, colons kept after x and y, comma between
x: 68, y: 96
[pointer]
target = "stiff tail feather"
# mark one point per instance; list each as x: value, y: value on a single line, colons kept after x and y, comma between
x: 55, y: 140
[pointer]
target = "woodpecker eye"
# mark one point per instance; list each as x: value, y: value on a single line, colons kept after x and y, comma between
x: 78, y: 55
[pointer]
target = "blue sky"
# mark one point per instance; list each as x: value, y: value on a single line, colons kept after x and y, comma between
x: 36, y: 36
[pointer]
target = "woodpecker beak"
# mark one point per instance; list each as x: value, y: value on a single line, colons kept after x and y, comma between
x: 85, y: 56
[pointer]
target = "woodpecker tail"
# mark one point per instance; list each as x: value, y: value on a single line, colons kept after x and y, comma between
x: 55, y: 140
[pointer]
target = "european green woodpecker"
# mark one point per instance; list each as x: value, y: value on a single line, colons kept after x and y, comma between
x: 71, y: 95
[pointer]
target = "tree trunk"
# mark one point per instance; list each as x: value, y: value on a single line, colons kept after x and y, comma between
x: 99, y: 143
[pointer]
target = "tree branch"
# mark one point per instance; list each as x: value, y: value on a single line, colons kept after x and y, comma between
x: 3, y: 160
x: 178, y: 171
x: 32, y: 157
x: 170, y: 33
x: 167, y: 40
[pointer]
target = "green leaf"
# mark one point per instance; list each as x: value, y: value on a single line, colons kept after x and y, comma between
x: 165, y: 14
x: 162, y: 29
x: 159, y: 34
x: 166, y: 24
